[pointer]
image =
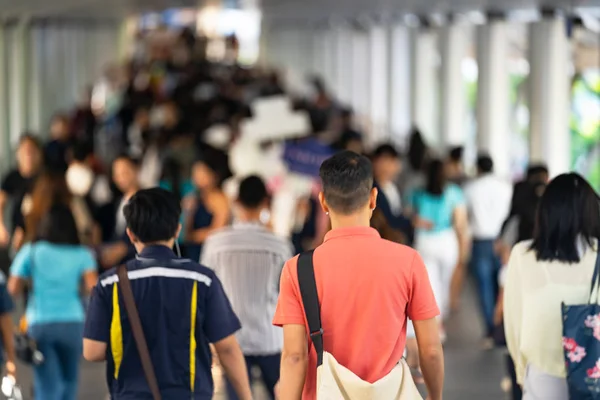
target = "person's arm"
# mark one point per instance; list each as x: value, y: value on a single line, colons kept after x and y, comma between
x: 20, y: 271
x: 513, y: 305
x: 294, y: 362
x: 232, y: 361
x: 7, y: 326
x: 461, y: 227
x: 4, y: 235
x: 219, y: 207
x: 423, y: 311
x: 113, y: 253
x: 96, y: 332
x: 431, y: 356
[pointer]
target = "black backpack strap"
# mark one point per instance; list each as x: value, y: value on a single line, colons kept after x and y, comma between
x: 310, y: 299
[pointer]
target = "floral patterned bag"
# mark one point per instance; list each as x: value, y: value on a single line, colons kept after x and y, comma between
x: 581, y: 342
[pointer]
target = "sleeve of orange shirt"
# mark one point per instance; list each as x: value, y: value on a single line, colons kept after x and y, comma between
x: 289, y: 306
x: 422, y: 304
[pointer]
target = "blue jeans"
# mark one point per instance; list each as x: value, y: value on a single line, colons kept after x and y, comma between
x: 486, y: 266
x: 269, y: 369
x: 61, y: 344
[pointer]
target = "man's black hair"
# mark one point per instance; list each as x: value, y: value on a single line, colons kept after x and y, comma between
x: 386, y: 150
x: 253, y: 192
x: 347, y: 181
x: 82, y: 150
x: 456, y: 154
x: 152, y: 215
x: 126, y: 157
x: 537, y: 172
x: 485, y: 164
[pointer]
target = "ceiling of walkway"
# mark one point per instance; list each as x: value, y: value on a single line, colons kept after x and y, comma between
x: 302, y: 9
x: 286, y: 9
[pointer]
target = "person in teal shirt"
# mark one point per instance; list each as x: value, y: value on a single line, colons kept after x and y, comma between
x: 440, y: 218
x: 56, y: 264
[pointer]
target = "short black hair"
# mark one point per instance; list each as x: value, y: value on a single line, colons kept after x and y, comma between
x: 569, y: 210
x: 347, y: 180
x: 485, y: 164
x: 82, y: 150
x: 385, y: 150
x: 456, y: 154
x: 152, y: 215
x: 58, y: 226
x: 217, y: 161
x: 535, y: 170
x: 252, y: 192
x: 126, y: 157
x: 436, y: 178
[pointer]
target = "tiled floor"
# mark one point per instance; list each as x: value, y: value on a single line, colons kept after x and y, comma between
x: 471, y: 374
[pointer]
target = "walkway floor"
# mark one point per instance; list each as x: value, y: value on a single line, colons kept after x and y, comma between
x: 471, y: 374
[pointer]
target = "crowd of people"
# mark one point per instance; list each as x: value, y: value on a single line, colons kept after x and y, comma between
x: 207, y: 267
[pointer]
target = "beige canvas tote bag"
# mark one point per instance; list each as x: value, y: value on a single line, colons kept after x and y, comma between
x: 334, y: 381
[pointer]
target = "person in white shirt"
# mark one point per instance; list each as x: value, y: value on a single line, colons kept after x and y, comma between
x: 488, y: 201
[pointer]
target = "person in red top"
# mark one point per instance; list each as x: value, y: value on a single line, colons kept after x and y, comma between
x: 367, y: 288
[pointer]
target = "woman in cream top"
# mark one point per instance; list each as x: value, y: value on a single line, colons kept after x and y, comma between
x: 555, y: 267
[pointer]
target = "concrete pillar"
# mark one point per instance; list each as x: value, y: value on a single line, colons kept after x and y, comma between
x: 18, y: 91
x: 549, y: 94
x: 378, y: 50
x: 361, y: 93
x: 453, y: 46
x: 399, y: 82
x: 493, y: 128
x: 5, y: 144
x: 425, y: 87
x: 343, y: 38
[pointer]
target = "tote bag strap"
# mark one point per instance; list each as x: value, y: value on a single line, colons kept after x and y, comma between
x: 310, y: 299
x: 596, y: 275
x: 138, y: 332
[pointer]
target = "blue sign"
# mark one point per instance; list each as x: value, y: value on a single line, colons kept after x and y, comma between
x: 306, y: 156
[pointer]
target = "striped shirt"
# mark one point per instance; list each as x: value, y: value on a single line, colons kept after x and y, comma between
x: 248, y: 260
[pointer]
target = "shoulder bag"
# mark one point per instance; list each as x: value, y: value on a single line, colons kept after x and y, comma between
x: 138, y: 332
x: 581, y: 343
x: 334, y: 381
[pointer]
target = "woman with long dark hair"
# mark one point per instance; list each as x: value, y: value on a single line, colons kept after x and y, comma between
x: 555, y: 267
x: 440, y: 219
x: 55, y: 263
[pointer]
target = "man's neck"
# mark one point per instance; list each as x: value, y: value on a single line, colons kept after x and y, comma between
x: 139, y: 247
x: 249, y: 216
x: 129, y: 194
x: 350, y: 221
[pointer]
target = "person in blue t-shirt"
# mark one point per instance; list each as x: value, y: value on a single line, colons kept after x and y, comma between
x: 182, y: 308
x: 440, y: 218
x: 56, y: 264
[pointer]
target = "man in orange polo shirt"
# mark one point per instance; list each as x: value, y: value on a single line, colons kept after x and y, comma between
x: 367, y: 288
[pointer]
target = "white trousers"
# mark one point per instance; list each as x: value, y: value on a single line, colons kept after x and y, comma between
x: 540, y: 386
x: 439, y: 251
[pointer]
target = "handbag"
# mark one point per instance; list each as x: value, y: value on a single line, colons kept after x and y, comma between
x: 138, y: 331
x: 334, y: 381
x: 581, y: 344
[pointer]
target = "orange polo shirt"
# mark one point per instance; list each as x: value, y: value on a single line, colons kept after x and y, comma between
x: 367, y: 288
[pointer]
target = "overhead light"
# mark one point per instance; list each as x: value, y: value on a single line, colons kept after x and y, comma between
x: 476, y: 17
x: 412, y: 20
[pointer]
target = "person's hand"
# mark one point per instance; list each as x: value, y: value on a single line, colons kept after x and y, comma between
x: 277, y: 390
x: 424, y: 224
x: 11, y: 369
x: 498, y: 314
x: 4, y: 236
